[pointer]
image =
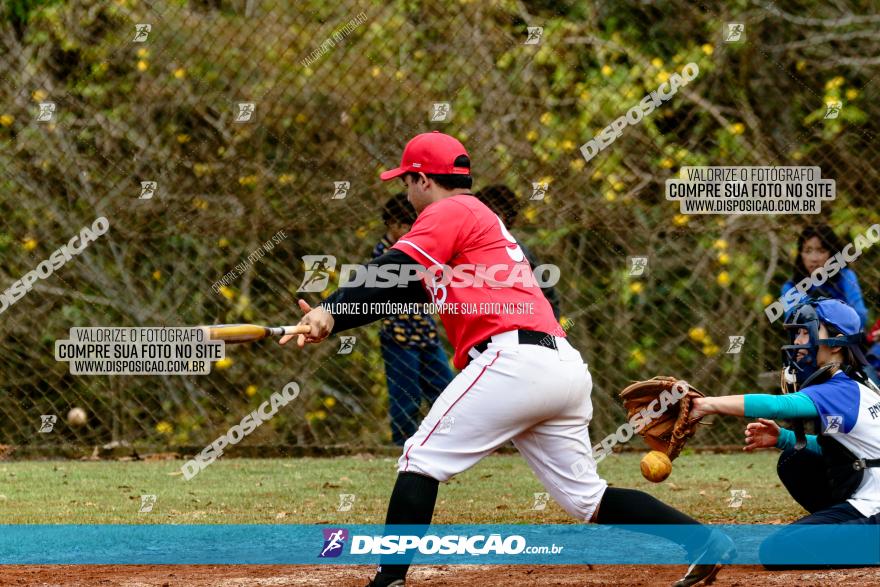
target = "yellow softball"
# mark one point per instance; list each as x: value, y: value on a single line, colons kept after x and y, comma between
x: 656, y: 466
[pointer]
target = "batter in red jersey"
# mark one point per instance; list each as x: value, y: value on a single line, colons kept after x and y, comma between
x: 520, y: 379
x: 460, y: 231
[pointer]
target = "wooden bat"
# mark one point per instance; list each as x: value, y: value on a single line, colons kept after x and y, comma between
x: 237, y: 333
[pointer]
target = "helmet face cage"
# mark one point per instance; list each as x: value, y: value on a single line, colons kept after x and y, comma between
x: 804, y: 317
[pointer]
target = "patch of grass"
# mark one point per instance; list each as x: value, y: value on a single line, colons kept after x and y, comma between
x: 500, y: 489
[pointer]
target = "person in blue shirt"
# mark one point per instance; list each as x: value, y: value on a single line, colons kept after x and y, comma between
x: 873, y: 337
x: 816, y: 244
x: 416, y: 366
x: 834, y: 475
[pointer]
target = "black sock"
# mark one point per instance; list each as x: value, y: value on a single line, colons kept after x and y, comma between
x: 630, y: 506
x: 412, y: 503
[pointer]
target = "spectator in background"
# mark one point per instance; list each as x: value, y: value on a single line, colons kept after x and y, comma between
x: 816, y: 244
x: 873, y: 337
x: 501, y: 200
x: 416, y: 366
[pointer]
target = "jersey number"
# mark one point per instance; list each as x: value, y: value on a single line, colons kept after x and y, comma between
x: 515, y: 252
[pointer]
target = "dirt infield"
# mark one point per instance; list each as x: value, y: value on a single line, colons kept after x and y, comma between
x: 435, y: 576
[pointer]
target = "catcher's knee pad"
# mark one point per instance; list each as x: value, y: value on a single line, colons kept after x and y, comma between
x: 788, y: 462
x: 805, y: 477
x: 796, y: 466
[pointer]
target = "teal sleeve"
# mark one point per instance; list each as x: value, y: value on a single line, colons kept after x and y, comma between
x: 787, y: 439
x: 793, y: 405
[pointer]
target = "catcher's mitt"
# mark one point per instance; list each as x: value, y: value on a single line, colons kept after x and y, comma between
x: 669, y: 431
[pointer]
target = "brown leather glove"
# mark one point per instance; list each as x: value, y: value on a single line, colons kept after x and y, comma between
x: 672, y: 428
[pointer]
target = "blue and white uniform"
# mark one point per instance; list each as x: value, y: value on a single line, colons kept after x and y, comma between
x: 848, y: 411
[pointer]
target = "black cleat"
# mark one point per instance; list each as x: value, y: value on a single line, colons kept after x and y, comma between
x: 381, y: 580
x: 707, y: 564
x: 699, y: 574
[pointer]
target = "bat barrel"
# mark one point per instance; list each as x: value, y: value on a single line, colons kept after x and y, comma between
x: 232, y: 333
x: 235, y: 333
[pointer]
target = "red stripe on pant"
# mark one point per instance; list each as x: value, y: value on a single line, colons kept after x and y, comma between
x: 406, y: 456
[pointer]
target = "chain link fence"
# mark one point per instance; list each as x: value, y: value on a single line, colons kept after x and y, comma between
x: 230, y: 138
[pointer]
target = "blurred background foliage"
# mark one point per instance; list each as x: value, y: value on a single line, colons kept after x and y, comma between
x: 162, y: 110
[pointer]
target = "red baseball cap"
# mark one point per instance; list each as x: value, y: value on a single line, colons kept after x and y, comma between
x: 430, y: 153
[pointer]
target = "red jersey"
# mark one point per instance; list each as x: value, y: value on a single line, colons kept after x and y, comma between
x: 461, y: 232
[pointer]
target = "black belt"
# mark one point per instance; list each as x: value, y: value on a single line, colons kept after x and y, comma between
x: 862, y: 464
x: 525, y: 337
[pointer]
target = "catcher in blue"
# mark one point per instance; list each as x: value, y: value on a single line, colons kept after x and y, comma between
x: 834, y: 475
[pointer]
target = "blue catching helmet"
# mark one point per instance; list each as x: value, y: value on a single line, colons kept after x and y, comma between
x: 808, y: 315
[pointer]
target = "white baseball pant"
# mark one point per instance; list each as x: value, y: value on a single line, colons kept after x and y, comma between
x: 535, y: 396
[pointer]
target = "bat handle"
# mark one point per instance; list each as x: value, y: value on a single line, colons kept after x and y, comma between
x: 299, y: 329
